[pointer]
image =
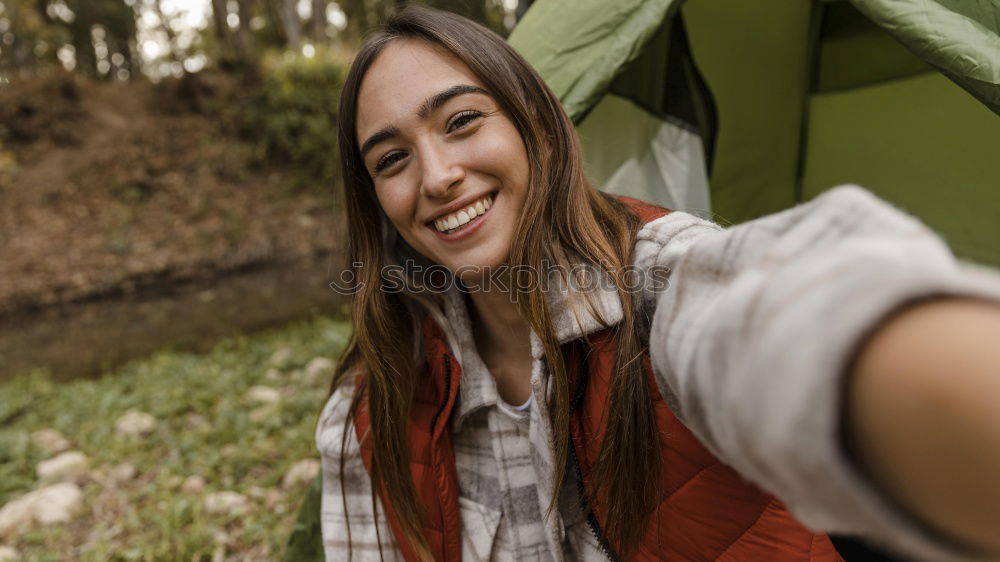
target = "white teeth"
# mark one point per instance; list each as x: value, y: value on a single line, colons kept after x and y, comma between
x: 465, y: 215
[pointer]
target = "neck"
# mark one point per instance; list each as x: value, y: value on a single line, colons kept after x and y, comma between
x: 499, y: 329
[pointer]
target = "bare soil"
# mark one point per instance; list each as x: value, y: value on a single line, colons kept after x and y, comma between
x: 110, y: 188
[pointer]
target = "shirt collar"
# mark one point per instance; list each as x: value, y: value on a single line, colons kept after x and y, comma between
x: 571, y: 318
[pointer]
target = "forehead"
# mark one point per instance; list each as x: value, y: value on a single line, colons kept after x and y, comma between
x: 403, y: 76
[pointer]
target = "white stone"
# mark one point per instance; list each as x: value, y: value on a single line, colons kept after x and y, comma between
x: 135, y: 422
x: 123, y: 472
x: 9, y: 554
x: 281, y: 356
x: 262, y: 393
x: 50, y: 440
x: 301, y: 472
x: 198, y: 422
x: 193, y: 484
x: 63, y: 466
x: 17, y: 515
x: 273, y: 498
x: 320, y: 368
x: 226, y: 503
x: 58, y: 503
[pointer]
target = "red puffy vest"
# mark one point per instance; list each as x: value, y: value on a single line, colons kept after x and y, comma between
x: 706, y: 510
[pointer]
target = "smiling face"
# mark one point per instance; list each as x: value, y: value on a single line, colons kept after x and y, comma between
x: 449, y: 167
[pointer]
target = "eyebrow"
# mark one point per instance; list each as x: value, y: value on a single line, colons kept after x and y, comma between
x: 430, y: 104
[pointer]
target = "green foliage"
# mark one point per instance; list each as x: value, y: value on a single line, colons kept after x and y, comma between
x: 207, y: 426
x: 292, y: 119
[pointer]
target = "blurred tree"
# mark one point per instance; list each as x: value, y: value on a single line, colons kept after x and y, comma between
x: 317, y: 21
x: 244, y: 35
x: 359, y: 20
x: 490, y: 13
x: 290, y: 22
x: 101, y: 34
x: 234, y: 35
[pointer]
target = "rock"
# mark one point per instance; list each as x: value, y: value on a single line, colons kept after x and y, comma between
x: 17, y: 515
x: 273, y: 498
x: 63, y: 466
x: 135, y: 422
x: 320, y: 368
x: 9, y: 554
x: 273, y: 374
x: 198, y: 422
x: 123, y: 472
x: 58, y: 503
x: 301, y: 472
x: 264, y: 394
x: 193, y: 484
x: 50, y: 440
x: 226, y: 503
x: 281, y: 356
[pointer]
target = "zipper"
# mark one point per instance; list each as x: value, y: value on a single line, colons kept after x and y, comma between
x: 592, y: 522
x: 447, y: 390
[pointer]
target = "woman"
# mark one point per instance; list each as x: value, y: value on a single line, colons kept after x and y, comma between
x: 518, y: 373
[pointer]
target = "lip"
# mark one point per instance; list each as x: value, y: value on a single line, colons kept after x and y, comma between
x: 456, y: 206
x: 470, y: 228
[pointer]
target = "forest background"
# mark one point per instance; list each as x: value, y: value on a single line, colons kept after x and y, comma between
x: 169, y: 223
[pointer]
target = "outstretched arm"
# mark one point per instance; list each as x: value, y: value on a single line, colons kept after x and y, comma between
x: 923, y: 415
x: 754, y: 341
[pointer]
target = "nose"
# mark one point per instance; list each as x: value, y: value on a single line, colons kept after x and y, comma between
x: 440, y: 169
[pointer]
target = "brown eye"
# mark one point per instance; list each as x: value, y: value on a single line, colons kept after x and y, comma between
x: 389, y: 160
x: 463, y: 119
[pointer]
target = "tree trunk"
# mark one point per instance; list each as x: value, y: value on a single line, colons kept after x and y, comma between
x: 83, y: 44
x: 317, y: 21
x: 246, y: 49
x: 290, y: 22
x: 357, y: 17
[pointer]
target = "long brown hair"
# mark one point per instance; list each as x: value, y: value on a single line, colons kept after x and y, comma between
x: 565, y: 222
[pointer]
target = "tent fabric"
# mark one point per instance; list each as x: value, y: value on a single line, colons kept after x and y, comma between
x: 628, y: 151
x: 643, y: 112
x: 579, y: 51
x: 961, y: 38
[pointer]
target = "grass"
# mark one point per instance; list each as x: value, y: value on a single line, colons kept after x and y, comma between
x: 207, y: 426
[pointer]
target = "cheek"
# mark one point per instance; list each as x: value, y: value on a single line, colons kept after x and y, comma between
x: 398, y: 202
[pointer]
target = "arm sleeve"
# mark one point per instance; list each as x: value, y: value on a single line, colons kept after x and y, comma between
x: 347, y: 491
x: 752, y: 338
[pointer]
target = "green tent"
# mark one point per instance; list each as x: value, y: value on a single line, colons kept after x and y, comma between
x: 778, y: 101
x: 733, y: 109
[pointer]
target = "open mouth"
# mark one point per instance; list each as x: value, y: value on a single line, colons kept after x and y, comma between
x: 462, y: 219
